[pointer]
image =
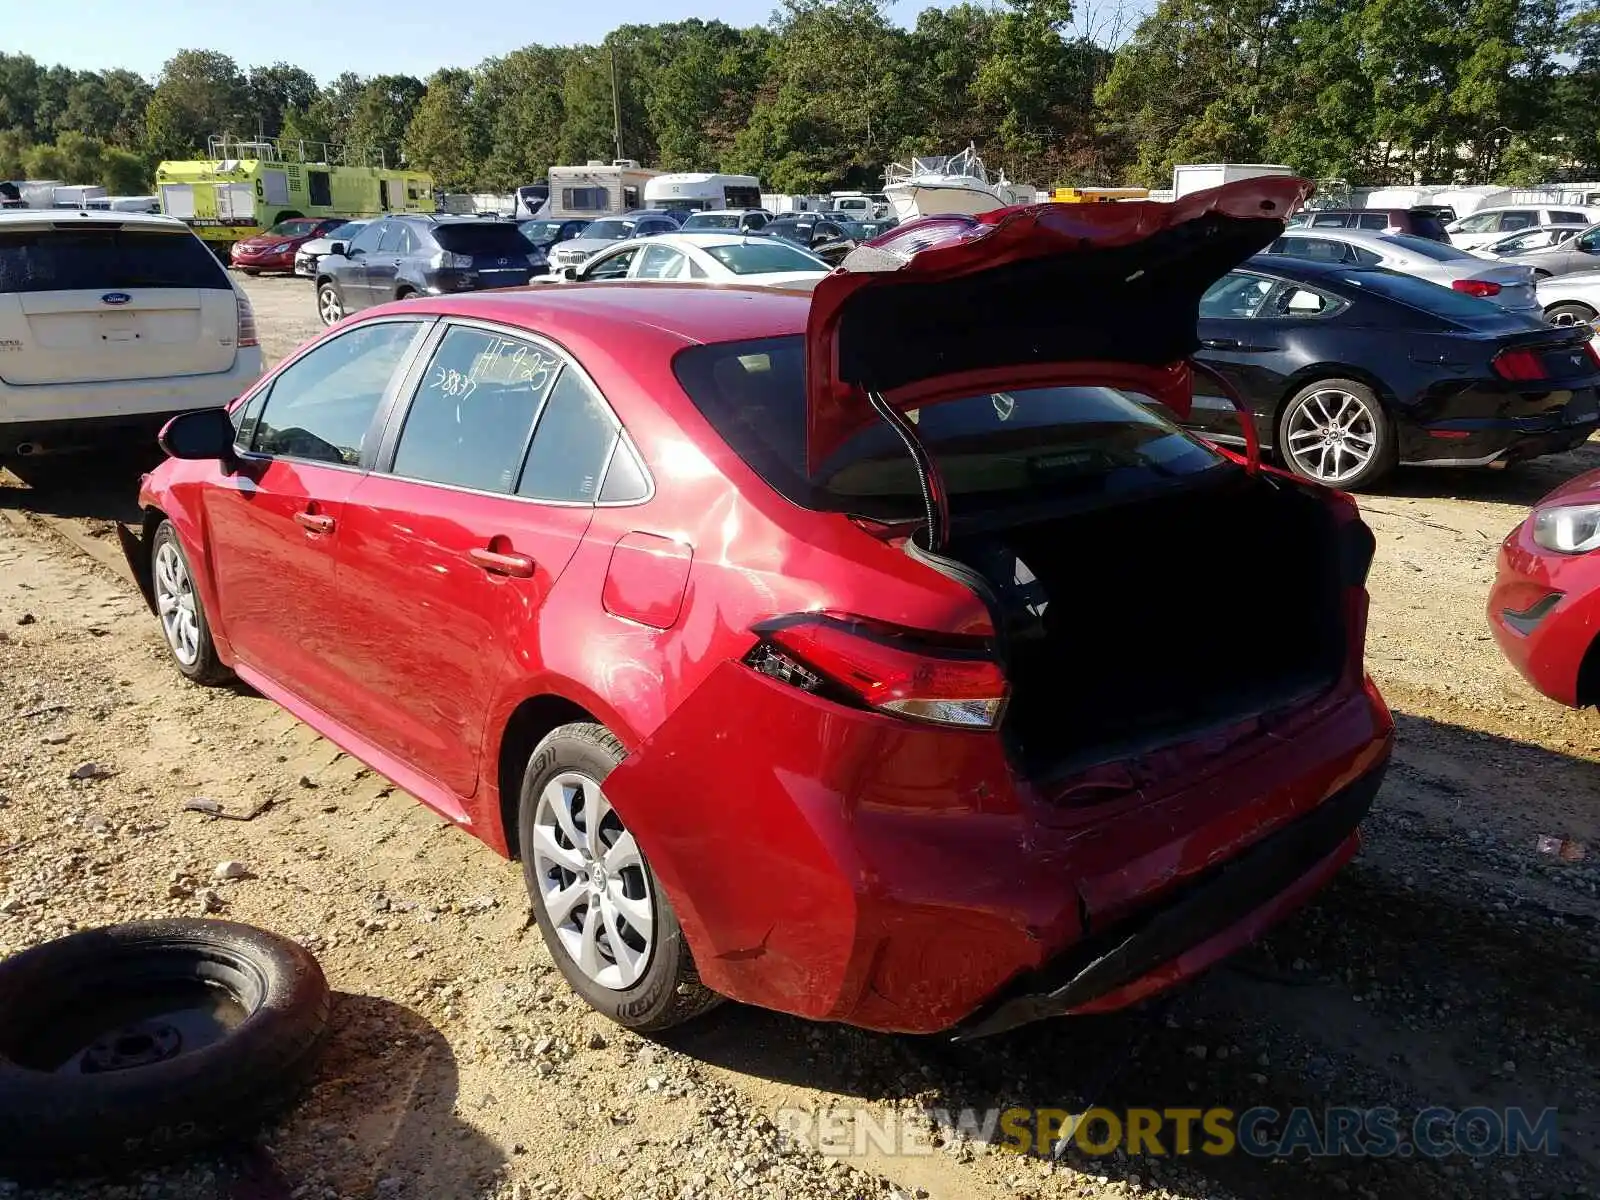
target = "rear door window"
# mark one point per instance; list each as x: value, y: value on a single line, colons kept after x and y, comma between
x: 396, y: 239
x: 994, y: 449
x: 1374, y: 221
x: 660, y: 262
x: 320, y: 407
x: 1519, y: 219
x: 89, y: 257
x: 469, y: 423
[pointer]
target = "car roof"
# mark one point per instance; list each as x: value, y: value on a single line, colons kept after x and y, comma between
x: 689, y: 313
x: 726, y: 212
x: 99, y: 216
x: 1358, y: 236
x: 705, y: 239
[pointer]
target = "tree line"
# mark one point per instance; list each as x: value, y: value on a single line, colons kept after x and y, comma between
x: 829, y: 91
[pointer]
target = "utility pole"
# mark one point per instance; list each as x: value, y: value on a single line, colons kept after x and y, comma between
x: 616, y: 104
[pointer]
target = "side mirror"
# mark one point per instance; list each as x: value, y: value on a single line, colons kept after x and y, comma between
x: 569, y: 273
x: 206, y: 434
x: 338, y: 247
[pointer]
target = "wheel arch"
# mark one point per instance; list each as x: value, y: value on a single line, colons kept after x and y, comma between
x: 528, y: 724
x: 1586, y: 692
x: 1583, y: 304
x: 1316, y: 372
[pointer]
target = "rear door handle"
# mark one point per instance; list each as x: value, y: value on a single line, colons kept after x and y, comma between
x: 315, y: 522
x: 1221, y: 343
x: 517, y: 566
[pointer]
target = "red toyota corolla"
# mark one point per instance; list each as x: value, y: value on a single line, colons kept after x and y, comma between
x: 872, y: 654
x: 274, y: 249
x: 1544, y: 608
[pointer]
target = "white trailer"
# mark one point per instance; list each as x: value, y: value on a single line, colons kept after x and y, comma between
x: 699, y: 191
x: 598, y: 189
x: 779, y: 203
x: 1197, y: 177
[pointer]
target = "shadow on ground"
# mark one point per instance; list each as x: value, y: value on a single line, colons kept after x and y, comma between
x: 1443, y: 968
x: 102, y: 487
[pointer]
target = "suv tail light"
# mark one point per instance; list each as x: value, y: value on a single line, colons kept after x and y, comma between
x: 1519, y: 365
x: 869, y: 664
x: 247, y: 335
x: 1475, y: 287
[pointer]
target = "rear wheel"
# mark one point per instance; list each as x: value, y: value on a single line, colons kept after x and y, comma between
x: 330, y: 302
x: 1570, y: 312
x: 608, y: 925
x: 1336, y: 432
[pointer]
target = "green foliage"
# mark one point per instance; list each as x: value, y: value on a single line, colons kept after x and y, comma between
x: 830, y: 91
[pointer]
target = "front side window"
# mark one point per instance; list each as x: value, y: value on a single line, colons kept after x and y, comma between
x: 397, y: 239
x: 613, y: 266
x: 367, y: 240
x: 1479, y: 223
x: 1235, y: 295
x: 1374, y: 221
x: 1319, y: 249
x: 320, y: 406
x: 1518, y: 220
x: 470, y: 419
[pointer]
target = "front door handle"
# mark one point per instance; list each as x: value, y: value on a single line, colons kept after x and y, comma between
x: 1221, y: 343
x: 315, y: 522
x: 517, y: 566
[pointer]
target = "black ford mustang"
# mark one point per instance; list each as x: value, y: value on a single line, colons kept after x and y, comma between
x: 1351, y: 370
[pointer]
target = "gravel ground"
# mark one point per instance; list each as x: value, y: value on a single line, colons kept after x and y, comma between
x: 1453, y: 964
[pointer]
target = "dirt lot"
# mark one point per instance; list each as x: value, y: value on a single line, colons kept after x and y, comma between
x: 1453, y: 964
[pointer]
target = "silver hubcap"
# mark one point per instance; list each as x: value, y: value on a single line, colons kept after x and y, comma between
x: 332, y: 308
x: 592, y: 882
x: 176, y: 604
x: 1332, y: 435
x: 1565, y: 320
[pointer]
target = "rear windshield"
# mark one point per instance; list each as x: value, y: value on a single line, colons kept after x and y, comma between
x: 295, y: 227
x: 1419, y: 293
x: 711, y: 221
x: 758, y: 258
x: 993, y: 450
x: 481, y: 239
x: 1437, y: 251
x: 78, y: 259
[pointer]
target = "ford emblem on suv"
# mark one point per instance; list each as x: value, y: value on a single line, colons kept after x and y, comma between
x: 115, y: 298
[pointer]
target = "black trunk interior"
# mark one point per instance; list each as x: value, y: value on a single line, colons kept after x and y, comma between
x: 1163, y: 617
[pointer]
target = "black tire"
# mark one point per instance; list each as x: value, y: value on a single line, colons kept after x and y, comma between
x: 405, y: 293
x: 207, y: 669
x: 669, y: 992
x: 69, y: 1105
x: 326, y: 289
x: 1386, y: 452
x: 1570, y: 312
x: 251, y: 270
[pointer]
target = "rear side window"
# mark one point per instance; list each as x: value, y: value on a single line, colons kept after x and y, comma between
x: 1329, y: 221
x: 1568, y: 218
x: 993, y: 450
x: 571, y: 444
x: 321, y: 406
x: 469, y: 422
x: 84, y: 258
x: 503, y: 240
x: 1374, y: 221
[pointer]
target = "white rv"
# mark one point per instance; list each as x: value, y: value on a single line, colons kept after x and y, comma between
x: 598, y: 189
x: 1196, y: 177
x: 699, y: 191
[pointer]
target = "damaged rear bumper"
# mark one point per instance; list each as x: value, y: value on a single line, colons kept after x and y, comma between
x: 1205, y: 921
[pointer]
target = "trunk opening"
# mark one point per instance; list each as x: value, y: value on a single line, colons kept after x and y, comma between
x: 1134, y: 626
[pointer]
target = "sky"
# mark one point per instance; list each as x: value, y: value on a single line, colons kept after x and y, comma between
x: 369, y: 37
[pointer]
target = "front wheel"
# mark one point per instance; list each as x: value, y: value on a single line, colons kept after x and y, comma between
x: 1336, y: 432
x: 182, y: 613
x: 605, y: 920
x: 330, y: 302
x: 1569, y: 313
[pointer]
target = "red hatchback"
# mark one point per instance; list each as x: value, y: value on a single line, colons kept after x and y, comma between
x: 274, y: 249
x: 867, y: 654
x: 1544, y: 608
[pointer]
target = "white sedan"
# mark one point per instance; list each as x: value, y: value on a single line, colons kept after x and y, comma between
x: 1508, y: 285
x: 713, y: 257
x: 1572, y: 299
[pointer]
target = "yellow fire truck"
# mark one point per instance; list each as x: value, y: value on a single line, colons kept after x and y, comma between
x: 246, y: 187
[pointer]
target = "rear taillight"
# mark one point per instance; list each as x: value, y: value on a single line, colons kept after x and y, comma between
x: 1592, y: 354
x: 1519, y: 365
x: 247, y: 322
x: 880, y: 667
x: 1476, y: 287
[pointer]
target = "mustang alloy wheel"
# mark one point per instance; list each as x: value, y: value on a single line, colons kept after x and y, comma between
x: 604, y: 917
x: 1336, y: 432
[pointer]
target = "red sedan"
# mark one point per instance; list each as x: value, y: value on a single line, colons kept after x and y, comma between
x: 1544, y: 608
x: 274, y: 249
x: 859, y: 654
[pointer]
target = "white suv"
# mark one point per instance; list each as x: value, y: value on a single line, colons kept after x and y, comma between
x: 1491, y: 224
x: 109, y: 324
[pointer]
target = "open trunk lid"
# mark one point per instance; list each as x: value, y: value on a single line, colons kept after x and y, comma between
x: 94, y: 301
x: 1044, y: 294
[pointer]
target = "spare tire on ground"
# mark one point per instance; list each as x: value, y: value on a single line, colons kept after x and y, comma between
x: 136, y: 1043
